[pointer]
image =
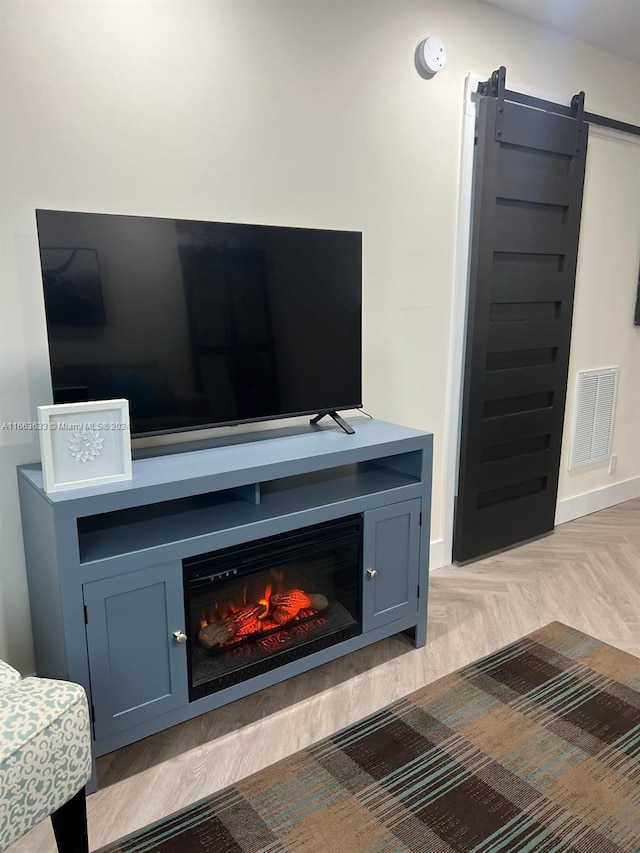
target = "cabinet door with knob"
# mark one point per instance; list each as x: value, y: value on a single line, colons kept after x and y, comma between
x: 391, y: 552
x: 137, y: 657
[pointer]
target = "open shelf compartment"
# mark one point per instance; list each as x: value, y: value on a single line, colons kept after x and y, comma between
x: 114, y: 534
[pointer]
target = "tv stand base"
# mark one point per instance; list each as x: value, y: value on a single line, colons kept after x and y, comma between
x: 106, y: 563
x: 336, y: 417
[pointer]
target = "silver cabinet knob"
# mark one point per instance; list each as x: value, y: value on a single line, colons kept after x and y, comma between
x: 373, y: 573
x: 179, y: 637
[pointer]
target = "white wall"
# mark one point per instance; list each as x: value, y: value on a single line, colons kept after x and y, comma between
x: 603, y: 333
x: 295, y: 112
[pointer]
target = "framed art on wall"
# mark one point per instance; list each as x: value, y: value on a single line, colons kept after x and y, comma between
x: 84, y: 444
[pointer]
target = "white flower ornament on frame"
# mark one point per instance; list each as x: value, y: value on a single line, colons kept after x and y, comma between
x: 84, y: 444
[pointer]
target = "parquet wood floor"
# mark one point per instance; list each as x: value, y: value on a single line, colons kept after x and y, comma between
x: 586, y: 574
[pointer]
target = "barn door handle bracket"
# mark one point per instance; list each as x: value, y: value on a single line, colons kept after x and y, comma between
x: 577, y: 105
x: 496, y: 87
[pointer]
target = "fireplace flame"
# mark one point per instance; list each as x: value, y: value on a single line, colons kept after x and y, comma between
x: 265, y: 602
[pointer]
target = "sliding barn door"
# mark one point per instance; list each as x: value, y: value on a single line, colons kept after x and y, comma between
x: 528, y: 181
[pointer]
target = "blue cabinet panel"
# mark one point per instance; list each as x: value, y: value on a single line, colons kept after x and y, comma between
x: 391, y: 550
x: 138, y: 670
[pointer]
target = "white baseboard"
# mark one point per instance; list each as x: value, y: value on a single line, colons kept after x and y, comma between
x: 436, y: 555
x: 576, y: 507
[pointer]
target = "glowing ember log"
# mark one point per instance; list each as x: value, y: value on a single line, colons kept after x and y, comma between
x: 256, y: 625
x: 217, y: 632
x: 275, y: 641
x: 286, y: 605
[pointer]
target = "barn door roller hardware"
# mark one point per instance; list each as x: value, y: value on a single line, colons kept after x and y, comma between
x: 496, y: 87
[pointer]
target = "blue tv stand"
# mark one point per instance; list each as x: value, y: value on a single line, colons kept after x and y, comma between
x: 104, y: 563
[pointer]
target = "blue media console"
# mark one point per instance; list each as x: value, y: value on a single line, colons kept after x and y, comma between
x: 105, y: 564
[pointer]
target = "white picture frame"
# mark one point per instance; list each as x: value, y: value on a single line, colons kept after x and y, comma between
x: 84, y: 444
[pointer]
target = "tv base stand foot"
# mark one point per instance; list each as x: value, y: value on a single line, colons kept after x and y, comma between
x: 336, y: 417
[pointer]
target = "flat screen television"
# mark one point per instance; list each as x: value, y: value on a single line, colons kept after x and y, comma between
x: 201, y: 324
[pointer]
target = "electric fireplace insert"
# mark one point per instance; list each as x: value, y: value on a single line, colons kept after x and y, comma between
x: 269, y: 602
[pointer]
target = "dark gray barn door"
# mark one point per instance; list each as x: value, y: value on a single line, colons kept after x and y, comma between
x: 529, y: 174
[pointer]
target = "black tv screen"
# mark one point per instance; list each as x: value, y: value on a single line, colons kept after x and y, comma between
x: 201, y: 324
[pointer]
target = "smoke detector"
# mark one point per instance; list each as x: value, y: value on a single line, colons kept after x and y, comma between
x: 431, y: 55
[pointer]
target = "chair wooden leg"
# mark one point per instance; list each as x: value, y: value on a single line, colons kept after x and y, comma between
x: 70, y: 825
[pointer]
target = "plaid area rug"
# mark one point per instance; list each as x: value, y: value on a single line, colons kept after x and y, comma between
x: 534, y: 748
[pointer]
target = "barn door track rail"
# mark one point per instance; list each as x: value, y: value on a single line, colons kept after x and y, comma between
x: 496, y: 87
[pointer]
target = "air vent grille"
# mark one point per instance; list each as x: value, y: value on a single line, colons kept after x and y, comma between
x: 593, y: 418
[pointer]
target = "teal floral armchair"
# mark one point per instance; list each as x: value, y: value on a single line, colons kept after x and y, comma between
x: 45, y: 758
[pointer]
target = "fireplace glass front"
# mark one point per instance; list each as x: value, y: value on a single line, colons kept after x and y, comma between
x: 272, y: 601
